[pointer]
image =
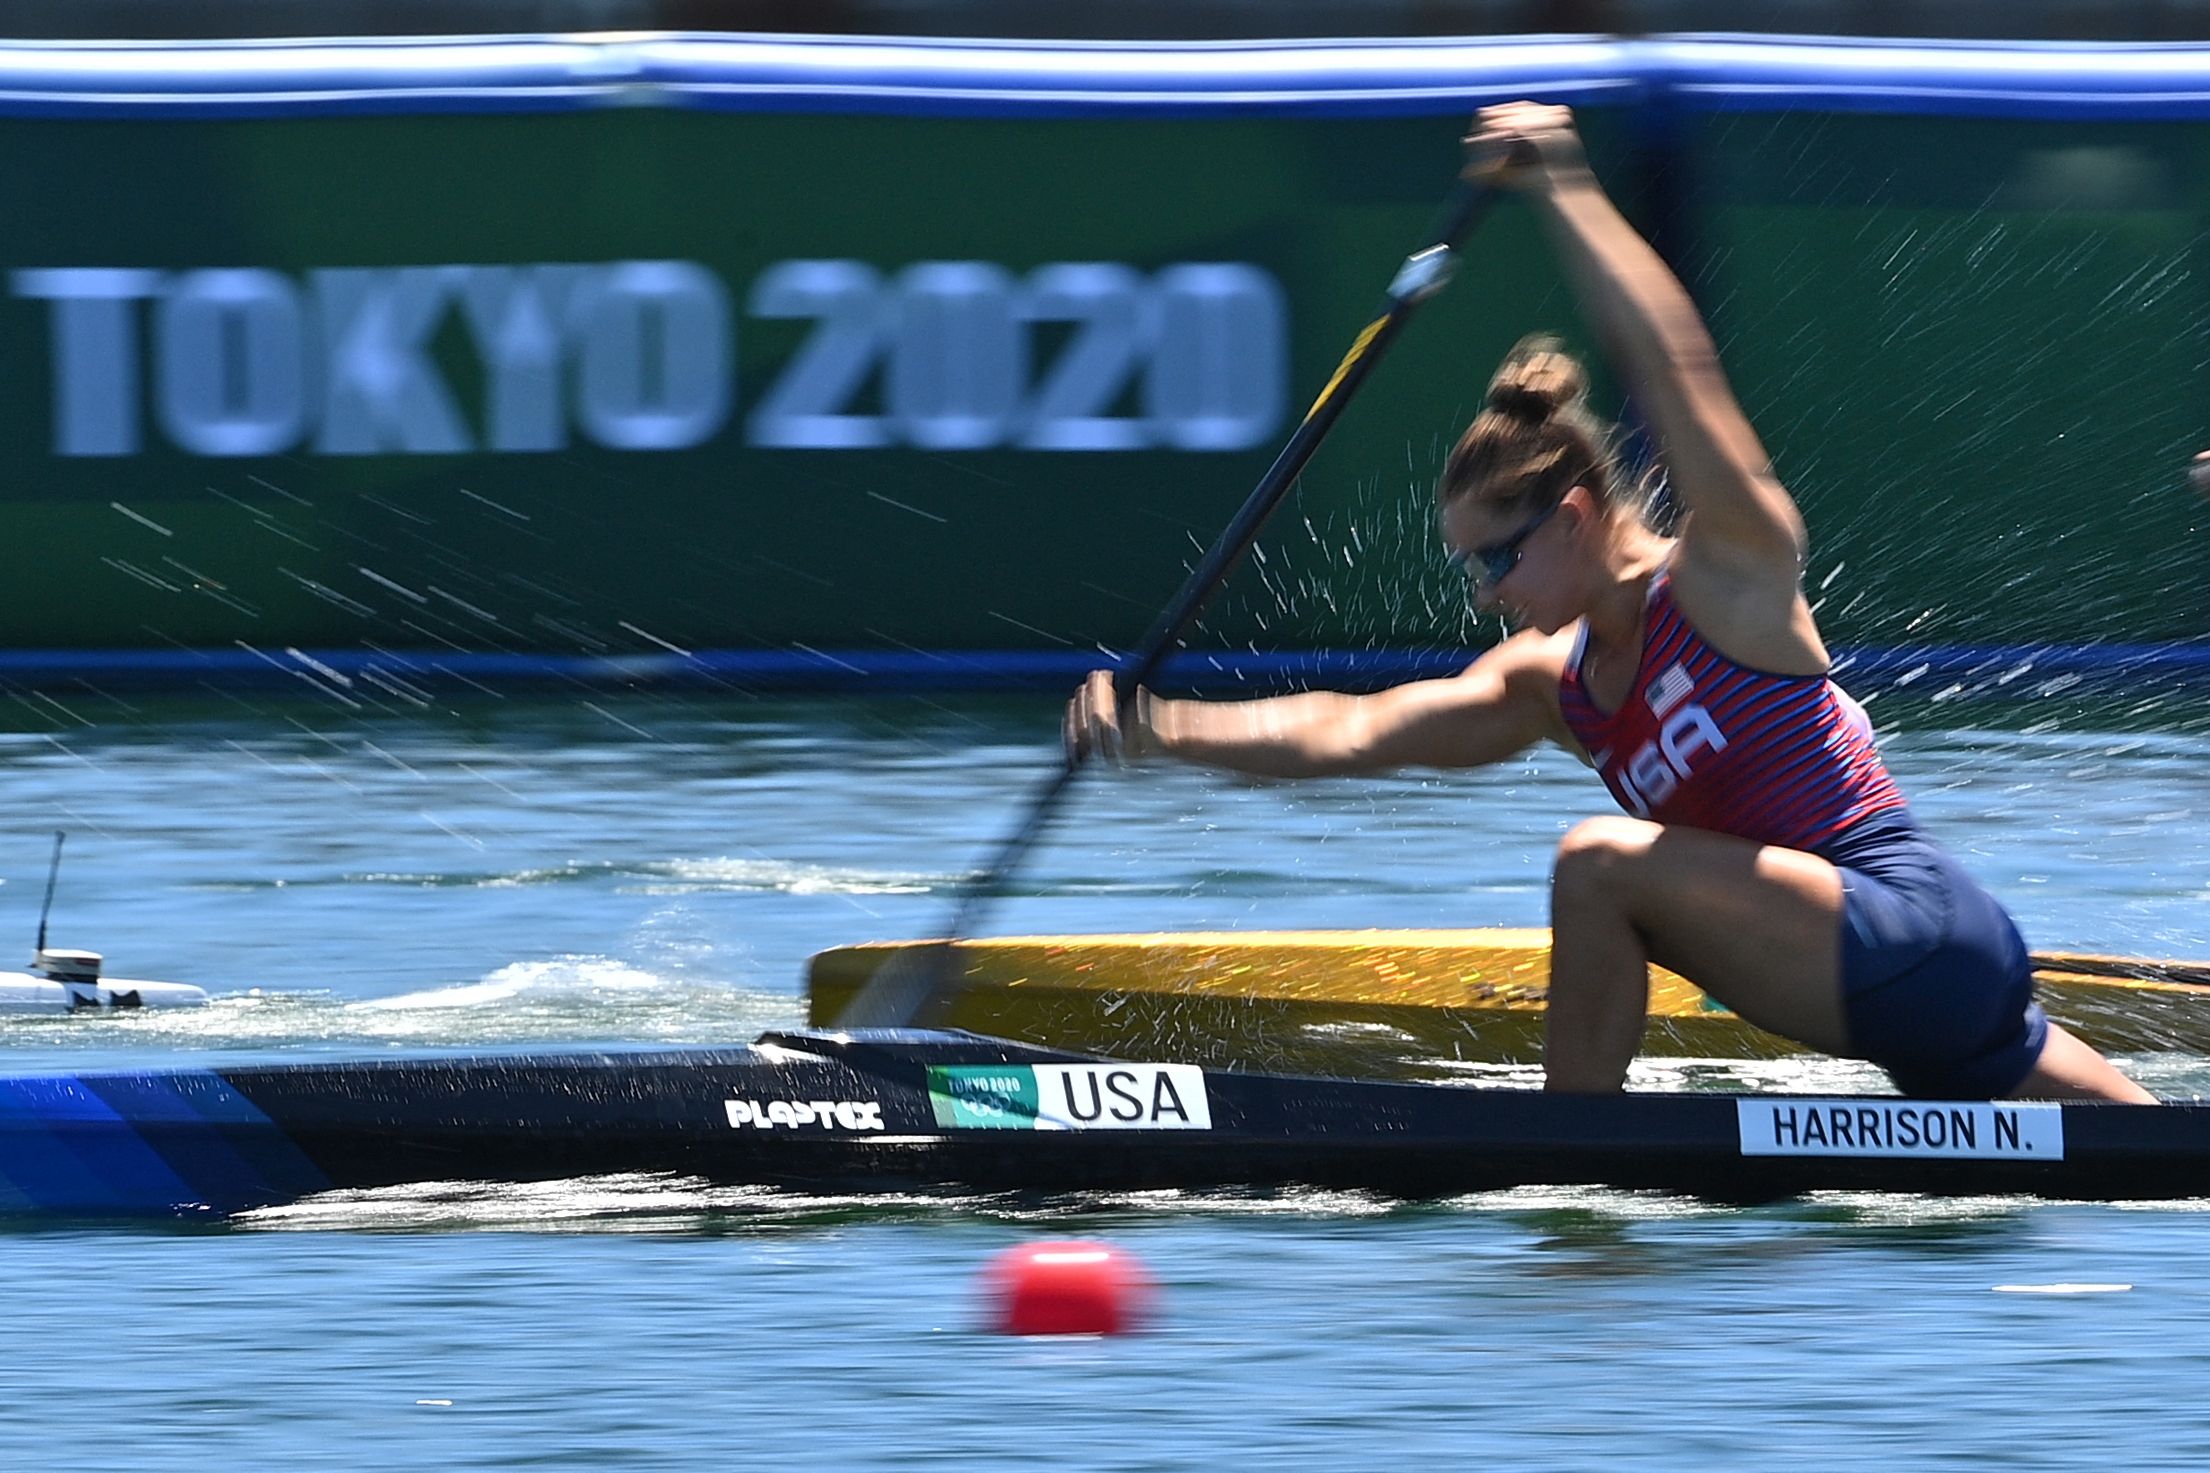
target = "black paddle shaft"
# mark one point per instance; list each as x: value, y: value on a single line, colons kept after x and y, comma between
x: 1424, y: 273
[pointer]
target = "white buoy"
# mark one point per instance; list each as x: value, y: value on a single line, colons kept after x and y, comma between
x: 65, y: 981
x: 70, y: 982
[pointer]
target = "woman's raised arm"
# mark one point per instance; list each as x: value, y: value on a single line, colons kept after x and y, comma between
x: 1653, y: 336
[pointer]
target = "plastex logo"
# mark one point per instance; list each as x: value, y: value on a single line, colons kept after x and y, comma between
x: 853, y: 1115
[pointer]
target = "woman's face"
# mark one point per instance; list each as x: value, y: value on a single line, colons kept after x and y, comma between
x: 1518, y: 563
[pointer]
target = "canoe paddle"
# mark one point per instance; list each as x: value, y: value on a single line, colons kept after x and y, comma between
x: 912, y: 990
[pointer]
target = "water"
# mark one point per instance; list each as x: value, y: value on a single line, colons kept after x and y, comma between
x: 657, y: 869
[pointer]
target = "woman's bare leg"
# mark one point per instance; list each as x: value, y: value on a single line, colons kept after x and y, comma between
x: 2071, y: 1070
x: 1757, y: 927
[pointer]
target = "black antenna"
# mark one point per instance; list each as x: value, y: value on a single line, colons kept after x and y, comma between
x: 53, y: 873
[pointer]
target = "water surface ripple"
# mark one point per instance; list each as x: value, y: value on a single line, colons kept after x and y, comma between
x: 651, y: 869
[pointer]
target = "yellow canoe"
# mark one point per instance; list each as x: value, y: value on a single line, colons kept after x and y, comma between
x: 1382, y: 1001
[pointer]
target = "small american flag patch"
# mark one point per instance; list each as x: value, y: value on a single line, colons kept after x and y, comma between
x: 1669, y: 689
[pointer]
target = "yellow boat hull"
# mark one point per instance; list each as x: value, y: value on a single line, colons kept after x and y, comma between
x: 1382, y: 1001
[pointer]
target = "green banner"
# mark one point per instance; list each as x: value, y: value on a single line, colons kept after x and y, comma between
x: 617, y: 381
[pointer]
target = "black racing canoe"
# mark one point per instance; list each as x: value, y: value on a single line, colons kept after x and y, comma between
x: 934, y: 1112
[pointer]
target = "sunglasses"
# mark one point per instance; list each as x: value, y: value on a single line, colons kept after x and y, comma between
x: 1491, y: 565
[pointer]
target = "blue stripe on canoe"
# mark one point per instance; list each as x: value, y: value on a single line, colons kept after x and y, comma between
x: 147, y: 1143
x: 230, y: 1152
x: 64, y: 1149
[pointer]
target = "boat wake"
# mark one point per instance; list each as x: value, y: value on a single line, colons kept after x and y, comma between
x: 554, y: 1002
x: 556, y: 980
x: 650, y: 1202
x: 645, y: 1202
x: 661, y: 1203
x: 566, y: 999
x: 655, y: 877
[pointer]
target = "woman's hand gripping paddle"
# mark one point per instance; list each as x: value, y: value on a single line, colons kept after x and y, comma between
x: 914, y: 988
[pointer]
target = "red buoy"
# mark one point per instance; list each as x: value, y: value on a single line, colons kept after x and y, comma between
x: 1067, y: 1288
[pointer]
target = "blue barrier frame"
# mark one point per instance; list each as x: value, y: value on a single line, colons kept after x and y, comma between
x: 381, y: 678
x: 1027, y: 79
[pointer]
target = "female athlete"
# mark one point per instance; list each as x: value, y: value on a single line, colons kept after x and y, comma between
x: 1767, y: 855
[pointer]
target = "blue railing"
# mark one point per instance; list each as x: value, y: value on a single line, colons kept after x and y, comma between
x: 1413, y: 77
x: 376, y: 678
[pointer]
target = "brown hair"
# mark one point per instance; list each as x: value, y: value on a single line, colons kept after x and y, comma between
x: 1535, y: 437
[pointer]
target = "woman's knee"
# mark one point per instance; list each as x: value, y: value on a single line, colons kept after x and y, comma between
x: 1593, y: 853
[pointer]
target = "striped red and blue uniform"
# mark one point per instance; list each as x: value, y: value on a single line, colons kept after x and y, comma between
x: 1937, y: 986
x: 1711, y: 744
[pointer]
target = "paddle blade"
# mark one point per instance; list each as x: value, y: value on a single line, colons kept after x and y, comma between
x: 911, y: 990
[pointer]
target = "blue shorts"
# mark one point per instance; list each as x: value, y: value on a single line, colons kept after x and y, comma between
x: 1937, y: 987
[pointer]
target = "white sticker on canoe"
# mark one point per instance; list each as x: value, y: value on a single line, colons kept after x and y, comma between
x: 1121, y: 1097
x: 796, y: 1114
x: 1070, y: 1096
x: 1975, y: 1130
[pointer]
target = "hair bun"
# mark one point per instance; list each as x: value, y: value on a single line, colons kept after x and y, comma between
x: 1538, y: 379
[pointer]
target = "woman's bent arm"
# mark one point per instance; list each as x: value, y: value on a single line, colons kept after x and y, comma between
x: 1502, y: 704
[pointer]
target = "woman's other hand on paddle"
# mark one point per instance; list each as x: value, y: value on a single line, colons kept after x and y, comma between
x: 1094, y: 727
x: 2198, y: 474
x: 1524, y: 145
